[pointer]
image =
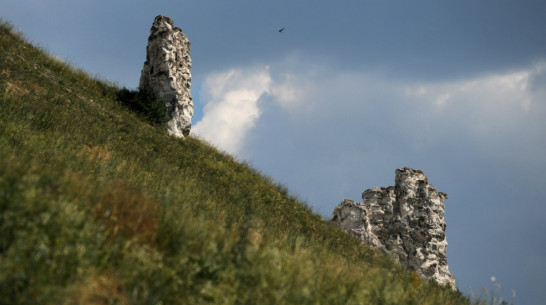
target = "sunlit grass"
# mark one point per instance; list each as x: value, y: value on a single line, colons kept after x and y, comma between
x: 98, y: 206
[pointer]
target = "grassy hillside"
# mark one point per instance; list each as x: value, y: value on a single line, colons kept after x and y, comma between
x: 99, y: 206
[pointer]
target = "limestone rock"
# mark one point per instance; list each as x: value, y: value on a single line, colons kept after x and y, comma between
x: 167, y: 73
x: 407, y: 221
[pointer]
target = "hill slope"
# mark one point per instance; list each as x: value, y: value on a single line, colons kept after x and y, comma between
x: 100, y: 207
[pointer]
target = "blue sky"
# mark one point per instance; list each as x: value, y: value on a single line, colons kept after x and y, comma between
x: 350, y: 91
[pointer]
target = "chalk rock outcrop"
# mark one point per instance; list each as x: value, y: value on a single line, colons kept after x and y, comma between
x: 167, y: 73
x: 407, y: 221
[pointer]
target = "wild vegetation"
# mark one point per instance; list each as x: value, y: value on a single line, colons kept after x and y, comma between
x: 143, y: 102
x: 98, y: 206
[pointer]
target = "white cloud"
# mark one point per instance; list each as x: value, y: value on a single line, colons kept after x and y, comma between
x: 487, y: 109
x: 286, y: 92
x: 232, y: 103
x: 232, y: 106
x: 366, y: 113
x: 489, y: 92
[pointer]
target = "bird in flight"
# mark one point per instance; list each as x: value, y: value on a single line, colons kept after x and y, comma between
x: 280, y: 31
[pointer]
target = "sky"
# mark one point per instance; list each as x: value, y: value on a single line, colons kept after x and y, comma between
x: 350, y: 91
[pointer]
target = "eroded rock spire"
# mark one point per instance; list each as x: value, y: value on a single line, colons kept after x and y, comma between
x: 405, y: 220
x: 167, y: 73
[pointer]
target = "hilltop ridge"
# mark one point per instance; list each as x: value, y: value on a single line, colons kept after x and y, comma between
x: 98, y: 206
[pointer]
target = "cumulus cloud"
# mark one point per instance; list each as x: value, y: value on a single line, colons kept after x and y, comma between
x: 500, y: 115
x: 232, y: 108
x: 347, y: 109
x: 234, y: 103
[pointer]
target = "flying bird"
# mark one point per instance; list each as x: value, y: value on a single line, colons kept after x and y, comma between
x: 280, y: 31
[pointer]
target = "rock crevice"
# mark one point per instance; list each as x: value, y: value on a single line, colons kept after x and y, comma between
x: 405, y: 220
x: 167, y: 73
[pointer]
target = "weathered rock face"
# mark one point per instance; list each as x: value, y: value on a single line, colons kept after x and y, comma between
x: 406, y: 221
x: 167, y: 73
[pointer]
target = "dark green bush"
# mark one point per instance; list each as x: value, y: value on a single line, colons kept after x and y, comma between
x: 144, y: 103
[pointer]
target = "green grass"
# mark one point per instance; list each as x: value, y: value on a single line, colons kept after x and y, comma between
x: 97, y: 206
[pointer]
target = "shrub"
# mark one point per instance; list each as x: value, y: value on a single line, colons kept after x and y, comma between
x: 144, y: 103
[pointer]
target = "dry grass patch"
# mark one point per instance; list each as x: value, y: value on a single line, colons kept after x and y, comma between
x: 97, y: 153
x: 128, y: 213
x: 15, y: 89
x: 97, y: 289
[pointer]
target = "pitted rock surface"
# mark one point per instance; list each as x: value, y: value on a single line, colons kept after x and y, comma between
x: 167, y: 73
x: 405, y: 220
